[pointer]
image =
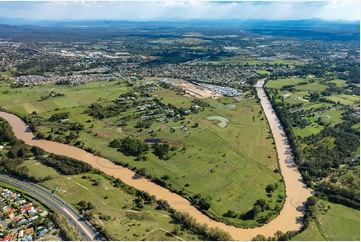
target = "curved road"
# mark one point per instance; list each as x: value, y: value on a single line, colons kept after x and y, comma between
x: 289, y: 219
x: 50, y: 199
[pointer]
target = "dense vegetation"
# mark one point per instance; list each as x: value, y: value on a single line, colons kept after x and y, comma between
x: 320, y: 156
x: 67, y: 231
x: 130, y: 146
x: 65, y: 165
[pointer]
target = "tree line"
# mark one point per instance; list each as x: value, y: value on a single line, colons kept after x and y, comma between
x: 316, y: 158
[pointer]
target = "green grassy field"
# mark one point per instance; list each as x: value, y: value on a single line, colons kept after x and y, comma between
x: 338, y: 223
x: 169, y: 96
x: 27, y: 99
x: 346, y: 99
x: 109, y: 200
x: 225, y: 161
x: 206, y: 147
x: 113, y: 202
x: 339, y: 83
x: 262, y: 72
x: 282, y: 82
x: 312, y: 87
x: 308, y: 130
x: 39, y: 171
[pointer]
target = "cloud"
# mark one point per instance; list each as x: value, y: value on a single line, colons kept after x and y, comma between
x: 191, y: 9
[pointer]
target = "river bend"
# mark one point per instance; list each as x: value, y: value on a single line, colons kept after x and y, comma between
x: 289, y: 219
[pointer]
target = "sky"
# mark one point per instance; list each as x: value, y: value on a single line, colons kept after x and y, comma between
x: 180, y: 10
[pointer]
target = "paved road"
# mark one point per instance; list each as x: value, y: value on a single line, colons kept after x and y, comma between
x: 85, y: 228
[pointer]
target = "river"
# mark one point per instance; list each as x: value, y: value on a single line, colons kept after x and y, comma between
x: 289, y: 219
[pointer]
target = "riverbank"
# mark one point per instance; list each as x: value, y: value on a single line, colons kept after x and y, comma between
x: 290, y: 217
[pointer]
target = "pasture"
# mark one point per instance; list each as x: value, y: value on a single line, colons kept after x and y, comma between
x: 279, y: 83
x: 339, y: 223
x: 231, y: 166
x: 307, y: 131
x: 26, y: 100
x: 216, y: 162
x: 339, y: 82
x: 345, y: 99
x: 113, y: 208
x: 263, y: 72
x: 38, y: 170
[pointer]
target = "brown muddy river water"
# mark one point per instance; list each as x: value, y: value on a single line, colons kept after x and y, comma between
x: 290, y: 217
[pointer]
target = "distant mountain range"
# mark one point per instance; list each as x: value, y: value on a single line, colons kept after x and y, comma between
x: 21, y: 29
x: 303, y: 23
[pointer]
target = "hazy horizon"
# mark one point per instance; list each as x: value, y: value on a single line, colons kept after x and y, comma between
x: 180, y: 10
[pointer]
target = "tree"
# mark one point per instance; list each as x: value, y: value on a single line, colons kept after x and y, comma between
x: 59, y: 116
x: 311, y: 201
x: 270, y: 188
x: 130, y: 146
x: 161, y: 150
x: 280, y: 236
x: 88, y: 215
x: 262, y: 203
x: 259, y: 237
x: 201, y: 202
x: 230, y: 213
x: 256, y: 210
x: 82, y: 204
x: 177, y: 230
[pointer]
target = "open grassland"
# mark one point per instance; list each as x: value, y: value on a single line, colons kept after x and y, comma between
x: 312, y: 87
x: 114, y: 208
x: 217, y: 162
x: 262, y: 72
x: 339, y: 82
x: 28, y: 99
x: 38, y: 170
x: 169, y: 96
x: 231, y: 166
x: 338, y: 223
x: 278, y: 83
x: 346, y: 99
x: 308, y: 130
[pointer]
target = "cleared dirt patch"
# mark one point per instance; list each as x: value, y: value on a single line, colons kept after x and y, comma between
x: 194, y: 90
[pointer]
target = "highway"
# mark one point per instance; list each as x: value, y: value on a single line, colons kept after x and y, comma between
x: 87, y: 231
